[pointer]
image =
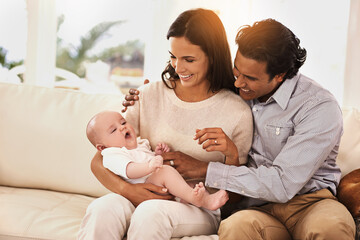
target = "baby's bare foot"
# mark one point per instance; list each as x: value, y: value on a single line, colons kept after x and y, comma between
x: 203, y: 198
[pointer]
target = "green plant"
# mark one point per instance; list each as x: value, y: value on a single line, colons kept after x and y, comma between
x: 71, y: 57
x: 5, y: 63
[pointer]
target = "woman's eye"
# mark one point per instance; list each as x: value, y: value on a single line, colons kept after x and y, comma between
x: 189, y: 60
x: 123, y: 123
x: 113, y: 130
x: 172, y: 57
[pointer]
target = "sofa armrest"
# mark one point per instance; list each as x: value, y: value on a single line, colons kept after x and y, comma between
x: 349, y: 192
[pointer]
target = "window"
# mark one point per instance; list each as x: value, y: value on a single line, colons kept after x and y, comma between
x: 102, y: 42
x: 133, y: 45
x: 13, y: 28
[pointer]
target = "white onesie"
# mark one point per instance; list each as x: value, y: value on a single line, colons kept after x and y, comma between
x: 116, y: 159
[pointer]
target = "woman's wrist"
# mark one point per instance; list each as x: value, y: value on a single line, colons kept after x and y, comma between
x: 232, y: 161
x: 233, y: 157
x: 124, y: 188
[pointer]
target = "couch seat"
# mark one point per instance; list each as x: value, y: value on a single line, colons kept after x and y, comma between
x: 40, y: 214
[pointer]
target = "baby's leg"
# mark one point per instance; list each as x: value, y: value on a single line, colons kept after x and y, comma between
x: 171, y: 179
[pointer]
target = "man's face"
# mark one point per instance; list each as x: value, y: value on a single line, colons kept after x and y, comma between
x: 252, y: 80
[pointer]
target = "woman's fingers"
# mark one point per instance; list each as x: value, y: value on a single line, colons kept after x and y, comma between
x: 210, y: 136
x: 124, y: 110
x: 134, y: 91
x: 131, y: 97
x: 127, y: 103
x: 213, y: 139
x: 213, y: 144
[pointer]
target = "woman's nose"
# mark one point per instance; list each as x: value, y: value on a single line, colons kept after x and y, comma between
x: 179, y: 68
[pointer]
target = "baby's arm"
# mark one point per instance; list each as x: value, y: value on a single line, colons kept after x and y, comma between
x: 138, y: 170
x: 161, y: 148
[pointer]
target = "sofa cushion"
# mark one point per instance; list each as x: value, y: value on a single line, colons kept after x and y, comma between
x: 49, y: 124
x: 349, y: 151
x: 40, y: 214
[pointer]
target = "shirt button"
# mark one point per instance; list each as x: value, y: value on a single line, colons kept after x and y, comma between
x: 215, y: 184
x: 277, y: 131
x: 242, y: 192
x: 254, y: 109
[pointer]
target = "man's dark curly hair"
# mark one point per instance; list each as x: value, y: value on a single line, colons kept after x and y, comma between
x: 271, y: 42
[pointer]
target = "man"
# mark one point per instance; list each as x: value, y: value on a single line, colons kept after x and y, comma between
x: 297, y: 131
x: 289, y: 184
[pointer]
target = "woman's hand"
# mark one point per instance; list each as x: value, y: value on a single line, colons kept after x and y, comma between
x: 214, y: 139
x: 132, y: 97
x: 138, y: 193
x: 135, y: 193
x: 188, y: 167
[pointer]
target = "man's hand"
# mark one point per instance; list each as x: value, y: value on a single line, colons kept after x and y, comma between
x: 132, y: 97
x: 215, y: 139
x: 188, y: 167
x: 138, y: 193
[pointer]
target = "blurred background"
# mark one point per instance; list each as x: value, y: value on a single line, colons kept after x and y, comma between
x: 109, y: 46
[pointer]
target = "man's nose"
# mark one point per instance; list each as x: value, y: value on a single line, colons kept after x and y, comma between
x: 240, y: 82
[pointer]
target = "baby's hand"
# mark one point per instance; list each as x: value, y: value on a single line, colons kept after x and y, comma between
x: 161, y: 148
x: 156, y: 163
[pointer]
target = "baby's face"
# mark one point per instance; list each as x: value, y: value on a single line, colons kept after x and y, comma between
x: 113, y: 131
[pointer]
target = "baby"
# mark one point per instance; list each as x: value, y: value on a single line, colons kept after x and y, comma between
x: 132, y: 158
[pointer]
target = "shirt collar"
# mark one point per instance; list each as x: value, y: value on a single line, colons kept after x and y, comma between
x: 283, y: 93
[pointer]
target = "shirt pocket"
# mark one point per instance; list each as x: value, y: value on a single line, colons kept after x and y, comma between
x: 276, y: 136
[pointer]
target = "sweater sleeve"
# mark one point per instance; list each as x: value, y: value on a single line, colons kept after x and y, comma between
x: 132, y: 115
x: 243, y: 134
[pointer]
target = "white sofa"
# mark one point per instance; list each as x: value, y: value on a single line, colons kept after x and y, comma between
x: 45, y: 178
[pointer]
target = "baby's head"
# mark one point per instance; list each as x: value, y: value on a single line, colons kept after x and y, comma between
x: 110, y: 129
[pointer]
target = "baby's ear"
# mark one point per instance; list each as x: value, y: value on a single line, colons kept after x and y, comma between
x: 100, y: 147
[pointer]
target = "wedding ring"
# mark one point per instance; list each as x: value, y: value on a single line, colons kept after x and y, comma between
x: 171, y: 163
x: 215, y: 142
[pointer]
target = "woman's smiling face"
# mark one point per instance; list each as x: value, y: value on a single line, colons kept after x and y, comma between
x: 190, y: 62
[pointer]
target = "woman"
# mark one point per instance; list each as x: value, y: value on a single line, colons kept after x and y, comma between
x: 197, y: 92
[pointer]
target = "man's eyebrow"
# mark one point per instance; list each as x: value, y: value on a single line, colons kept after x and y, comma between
x: 250, y: 77
x: 247, y: 76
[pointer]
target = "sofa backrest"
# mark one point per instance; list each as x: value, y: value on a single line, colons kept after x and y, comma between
x: 43, y: 142
x: 349, y: 152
